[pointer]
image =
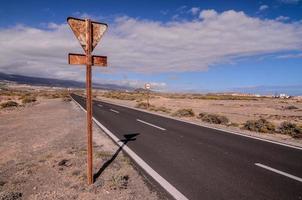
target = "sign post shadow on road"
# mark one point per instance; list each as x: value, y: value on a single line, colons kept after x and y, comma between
x: 89, y: 33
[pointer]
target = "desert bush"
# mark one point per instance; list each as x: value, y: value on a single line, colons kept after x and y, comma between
x: 9, y: 104
x: 142, y: 105
x: 185, y: 112
x: 119, y: 181
x: 289, y: 128
x: 124, y: 95
x: 160, y: 109
x: 28, y: 99
x: 260, y: 125
x: 67, y: 99
x: 291, y: 107
x: 103, y: 154
x: 214, y: 118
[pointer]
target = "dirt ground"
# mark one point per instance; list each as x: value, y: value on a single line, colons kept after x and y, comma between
x: 43, y: 156
x: 237, y: 111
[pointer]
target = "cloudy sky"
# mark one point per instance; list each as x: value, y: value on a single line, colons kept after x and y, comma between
x: 175, y: 45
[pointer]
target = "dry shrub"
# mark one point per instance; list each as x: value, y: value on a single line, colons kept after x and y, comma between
x: 131, y: 96
x: 260, y: 125
x: 291, y: 129
x: 119, y: 181
x: 291, y: 107
x: 28, y: 99
x: 142, y: 105
x: 9, y: 104
x: 185, y: 112
x: 214, y: 118
x: 67, y: 99
x: 160, y: 109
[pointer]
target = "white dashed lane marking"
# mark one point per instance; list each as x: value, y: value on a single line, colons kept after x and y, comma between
x: 279, y: 172
x: 139, y: 120
x: 115, y: 111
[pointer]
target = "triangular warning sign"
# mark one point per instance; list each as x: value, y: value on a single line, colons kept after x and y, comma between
x: 78, y: 26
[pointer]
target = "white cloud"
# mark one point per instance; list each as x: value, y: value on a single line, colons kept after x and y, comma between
x: 282, y: 18
x: 134, y: 45
x: 207, y: 14
x: 194, y: 10
x: 263, y: 7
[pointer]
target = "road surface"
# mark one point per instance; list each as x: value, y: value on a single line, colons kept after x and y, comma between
x: 205, y: 163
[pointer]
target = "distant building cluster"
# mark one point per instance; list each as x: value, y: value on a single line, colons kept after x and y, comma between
x: 282, y: 96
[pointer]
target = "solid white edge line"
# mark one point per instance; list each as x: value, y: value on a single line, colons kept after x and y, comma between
x: 100, y: 105
x: 279, y: 172
x: 201, y: 125
x: 139, y: 120
x: 114, y: 111
x: 158, y: 178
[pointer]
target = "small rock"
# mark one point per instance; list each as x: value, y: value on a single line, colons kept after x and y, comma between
x: 63, y: 162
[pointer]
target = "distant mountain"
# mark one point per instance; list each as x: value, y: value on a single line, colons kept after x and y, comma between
x: 50, y: 82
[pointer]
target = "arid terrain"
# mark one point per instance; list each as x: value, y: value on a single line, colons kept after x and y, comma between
x: 43, y: 140
x: 43, y: 155
x: 237, y: 110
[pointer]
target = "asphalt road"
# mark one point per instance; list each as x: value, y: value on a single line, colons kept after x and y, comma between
x: 204, y: 163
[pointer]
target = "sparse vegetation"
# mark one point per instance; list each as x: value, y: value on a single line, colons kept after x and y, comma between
x: 67, y: 99
x: 291, y: 129
x: 142, y: 105
x: 185, y: 112
x: 213, y: 118
x: 210, y: 97
x: 9, y: 104
x: 131, y: 96
x: 119, y: 181
x: 291, y: 107
x: 28, y: 99
x: 160, y: 109
x: 260, y: 125
x: 103, y: 154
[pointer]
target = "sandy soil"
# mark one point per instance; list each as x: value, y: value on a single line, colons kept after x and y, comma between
x: 43, y: 156
x: 238, y: 111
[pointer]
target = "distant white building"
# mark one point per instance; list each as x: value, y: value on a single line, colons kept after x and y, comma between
x: 283, y: 96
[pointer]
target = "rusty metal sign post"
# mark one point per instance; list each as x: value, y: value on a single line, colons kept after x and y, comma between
x: 88, y: 33
x: 148, y: 87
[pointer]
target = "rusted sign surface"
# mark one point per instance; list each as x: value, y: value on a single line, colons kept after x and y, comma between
x: 80, y: 59
x: 78, y: 27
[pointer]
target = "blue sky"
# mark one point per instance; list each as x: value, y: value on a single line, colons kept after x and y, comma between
x: 176, y: 45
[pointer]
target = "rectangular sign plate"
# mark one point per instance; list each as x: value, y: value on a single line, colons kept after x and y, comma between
x: 80, y: 59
